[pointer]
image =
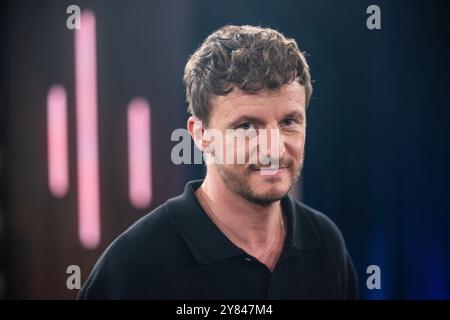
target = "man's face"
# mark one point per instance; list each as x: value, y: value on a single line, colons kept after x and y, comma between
x: 282, y: 110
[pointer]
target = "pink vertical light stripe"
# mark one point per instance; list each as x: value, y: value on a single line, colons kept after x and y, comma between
x: 57, y: 140
x: 139, y: 153
x: 87, y: 132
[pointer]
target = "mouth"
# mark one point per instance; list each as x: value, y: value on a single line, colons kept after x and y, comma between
x: 268, y: 171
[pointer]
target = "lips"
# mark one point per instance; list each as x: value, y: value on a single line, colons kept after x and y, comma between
x: 269, y: 171
x: 272, y: 170
x: 282, y: 164
x: 268, y: 168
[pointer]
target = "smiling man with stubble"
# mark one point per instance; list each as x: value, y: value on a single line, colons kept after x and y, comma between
x: 237, y: 234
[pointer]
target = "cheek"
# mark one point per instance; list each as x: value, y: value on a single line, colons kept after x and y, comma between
x: 295, y: 146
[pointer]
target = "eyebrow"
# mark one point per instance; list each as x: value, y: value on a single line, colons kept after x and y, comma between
x: 246, y: 118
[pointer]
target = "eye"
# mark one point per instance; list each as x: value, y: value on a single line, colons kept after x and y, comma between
x: 288, y: 122
x: 245, y: 126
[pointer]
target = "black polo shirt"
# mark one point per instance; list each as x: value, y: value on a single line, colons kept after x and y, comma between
x: 177, y: 252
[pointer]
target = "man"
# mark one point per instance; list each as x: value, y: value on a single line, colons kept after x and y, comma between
x: 236, y: 234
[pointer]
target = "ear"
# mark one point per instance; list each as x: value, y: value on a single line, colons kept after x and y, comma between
x: 197, y: 132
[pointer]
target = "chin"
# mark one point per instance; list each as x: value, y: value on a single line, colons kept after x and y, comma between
x: 276, y: 190
x: 270, y: 182
x: 266, y: 199
x: 256, y: 187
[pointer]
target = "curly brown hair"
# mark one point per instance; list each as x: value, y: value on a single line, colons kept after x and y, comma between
x: 245, y: 57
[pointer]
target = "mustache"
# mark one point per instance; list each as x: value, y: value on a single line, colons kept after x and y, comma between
x: 283, y: 163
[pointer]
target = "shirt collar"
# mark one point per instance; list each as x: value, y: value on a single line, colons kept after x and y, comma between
x: 208, y: 244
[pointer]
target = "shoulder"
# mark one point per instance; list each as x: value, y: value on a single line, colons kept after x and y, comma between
x: 332, y: 247
x: 328, y: 235
x: 134, y: 255
x: 146, y: 230
x: 327, y: 228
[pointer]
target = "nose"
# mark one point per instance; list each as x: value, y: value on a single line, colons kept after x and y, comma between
x: 271, y: 146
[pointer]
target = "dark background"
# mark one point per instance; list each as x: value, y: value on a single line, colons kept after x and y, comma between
x: 378, y: 145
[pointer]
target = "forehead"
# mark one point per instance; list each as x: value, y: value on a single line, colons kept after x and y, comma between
x: 289, y: 98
